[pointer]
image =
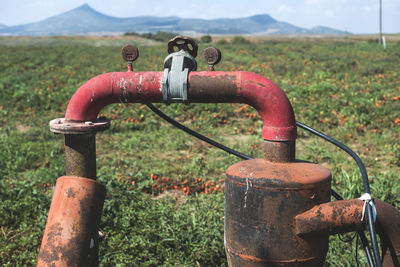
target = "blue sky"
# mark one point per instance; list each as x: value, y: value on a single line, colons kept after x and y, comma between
x: 357, y: 16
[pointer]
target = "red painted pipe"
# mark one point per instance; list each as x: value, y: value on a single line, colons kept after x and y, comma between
x: 206, y: 87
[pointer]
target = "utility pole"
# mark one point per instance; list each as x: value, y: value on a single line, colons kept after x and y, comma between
x: 380, y: 21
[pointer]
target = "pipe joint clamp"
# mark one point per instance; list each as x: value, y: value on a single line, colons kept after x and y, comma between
x: 175, y: 80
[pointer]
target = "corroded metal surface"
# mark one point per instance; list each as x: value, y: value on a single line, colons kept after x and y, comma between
x: 346, y: 216
x: 246, y: 87
x: 262, y: 200
x: 130, y: 53
x: 284, y: 151
x: 183, y: 42
x: 388, y: 227
x: 333, y: 218
x: 220, y: 88
x: 212, y: 56
x: 80, y: 155
x: 72, y: 222
x: 63, y: 126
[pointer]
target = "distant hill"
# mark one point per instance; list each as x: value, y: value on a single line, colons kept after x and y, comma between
x: 2, y: 26
x: 326, y: 30
x: 85, y: 20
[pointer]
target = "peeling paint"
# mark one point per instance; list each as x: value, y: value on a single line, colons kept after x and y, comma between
x: 247, y: 189
x: 139, y: 86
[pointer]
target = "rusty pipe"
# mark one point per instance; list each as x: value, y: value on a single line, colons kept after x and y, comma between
x: 345, y: 216
x: 72, y: 223
x: 80, y: 155
x: 211, y: 87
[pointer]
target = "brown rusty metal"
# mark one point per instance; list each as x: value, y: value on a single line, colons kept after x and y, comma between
x: 262, y: 200
x: 345, y: 216
x: 333, y: 218
x: 183, y: 42
x: 130, y: 53
x: 284, y: 151
x: 209, y: 89
x: 212, y: 56
x: 63, y: 126
x: 72, y: 222
x: 80, y: 155
x: 388, y: 228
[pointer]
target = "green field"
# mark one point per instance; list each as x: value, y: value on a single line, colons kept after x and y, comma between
x: 165, y: 197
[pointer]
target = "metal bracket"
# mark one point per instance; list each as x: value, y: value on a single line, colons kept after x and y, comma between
x: 175, y: 80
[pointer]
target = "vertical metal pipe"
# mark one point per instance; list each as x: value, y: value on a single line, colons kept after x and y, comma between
x: 72, y: 224
x: 380, y: 21
x: 284, y: 151
x: 80, y: 155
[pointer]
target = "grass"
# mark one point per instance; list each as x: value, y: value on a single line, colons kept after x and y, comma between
x: 163, y: 207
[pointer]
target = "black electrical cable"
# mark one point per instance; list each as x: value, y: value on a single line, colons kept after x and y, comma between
x: 361, y: 234
x: 364, y: 241
x: 374, y: 241
x: 368, y: 210
x: 346, y: 149
x: 196, y: 134
x: 308, y: 128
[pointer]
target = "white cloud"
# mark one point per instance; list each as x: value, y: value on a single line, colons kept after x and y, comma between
x: 285, y: 8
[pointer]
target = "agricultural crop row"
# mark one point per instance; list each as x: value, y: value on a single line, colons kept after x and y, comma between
x: 165, y: 189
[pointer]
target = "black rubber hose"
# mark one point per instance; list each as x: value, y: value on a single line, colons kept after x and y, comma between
x: 196, y: 134
x: 368, y: 210
x: 360, y: 164
x: 371, y: 225
x: 363, y: 238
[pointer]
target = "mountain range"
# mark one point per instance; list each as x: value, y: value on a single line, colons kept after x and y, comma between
x: 85, y: 20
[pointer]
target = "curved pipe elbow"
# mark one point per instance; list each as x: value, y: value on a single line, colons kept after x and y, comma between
x: 113, y: 87
x: 250, y: 88
x: 272, y: 104
x: 206, y: 87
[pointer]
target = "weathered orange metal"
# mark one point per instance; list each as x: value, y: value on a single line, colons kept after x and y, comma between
x: 262, y: 200
x: 334, y: 217
x: 72, y: 223
x: 346, y: 216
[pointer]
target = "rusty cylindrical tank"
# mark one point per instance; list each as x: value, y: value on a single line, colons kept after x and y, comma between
x: 262, y: 199
x: 72, y: 224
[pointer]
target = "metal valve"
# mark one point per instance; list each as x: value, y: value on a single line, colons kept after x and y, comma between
x: 130, y: 53
x: 183, y: 43
x: 177, y: 65
x: 212, y: 56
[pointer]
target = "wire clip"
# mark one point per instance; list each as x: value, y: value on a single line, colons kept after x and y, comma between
x: 368, y: 200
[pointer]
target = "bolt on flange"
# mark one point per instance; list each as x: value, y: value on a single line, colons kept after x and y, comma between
x: 63, y: 126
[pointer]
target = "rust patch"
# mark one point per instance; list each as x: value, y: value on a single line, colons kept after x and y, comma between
x: 334, y: 217
x: 70, y: 193
x: 50, y: 253
x: 261, y: 201
x: 67, y: 235
x: 245, y: 257
x: 284, y: 151
x: 221, y: 88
